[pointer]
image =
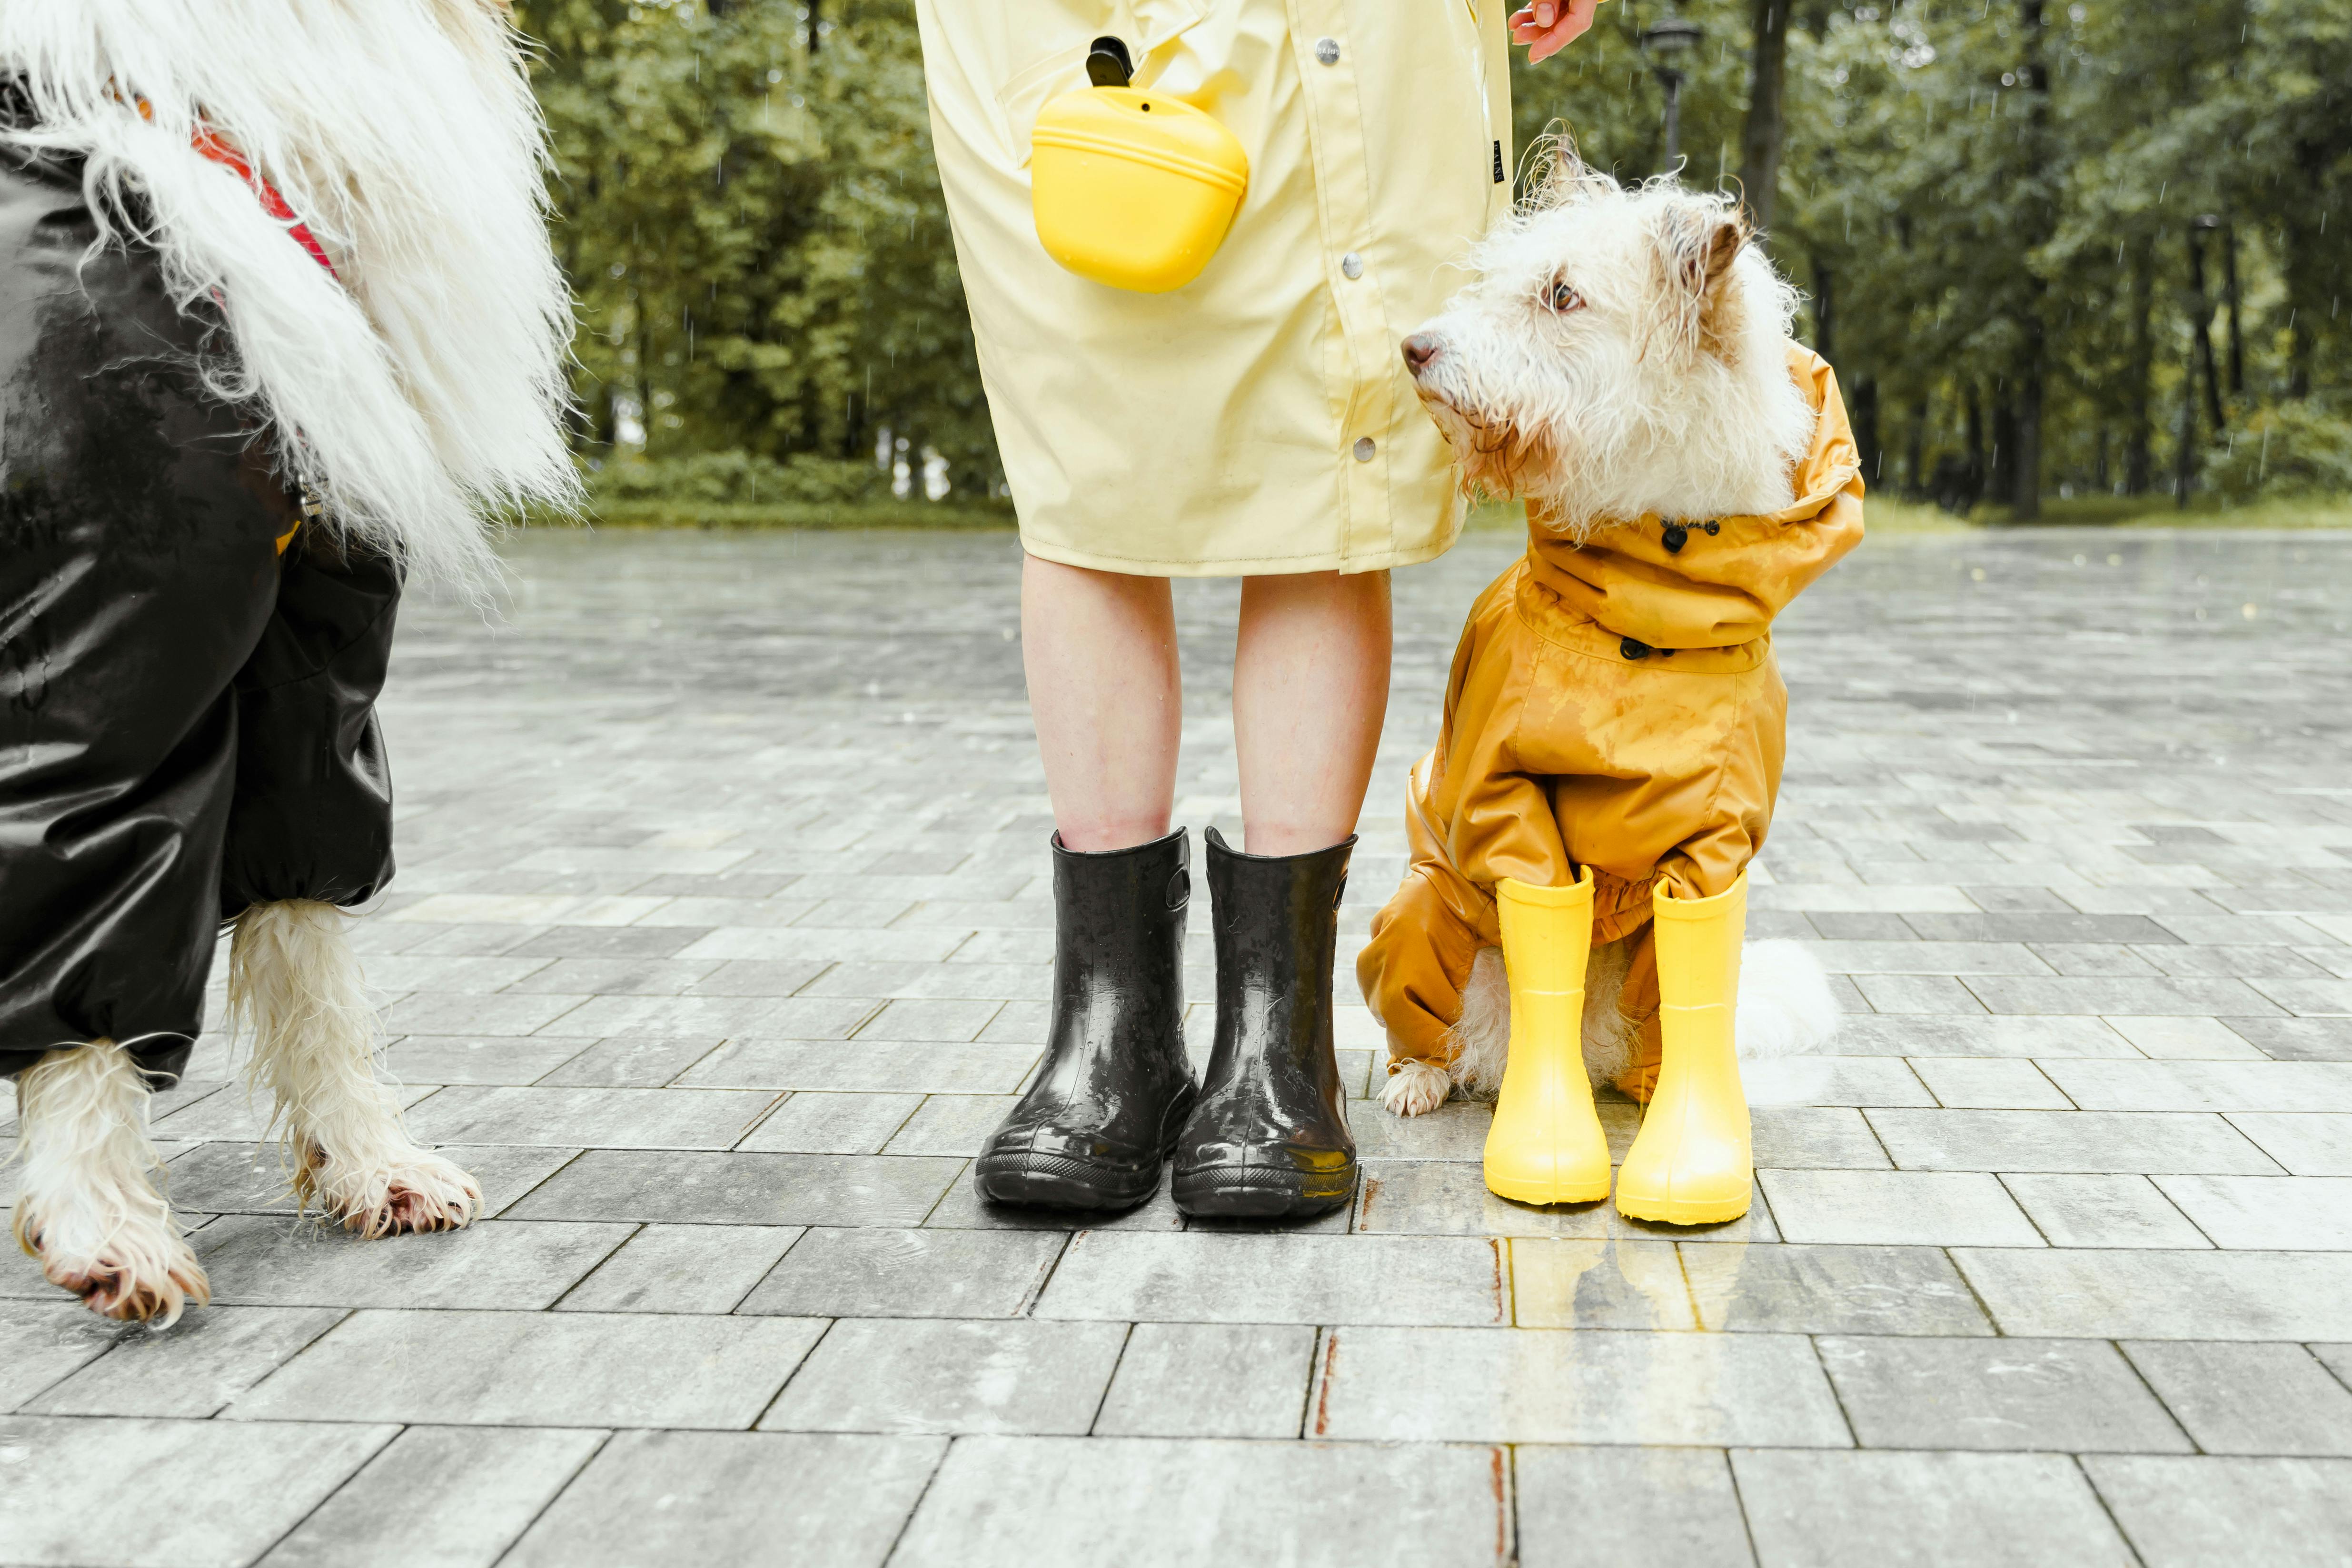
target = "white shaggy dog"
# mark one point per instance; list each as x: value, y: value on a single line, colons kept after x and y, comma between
x: 1618, y: 353
x: 405, y: 368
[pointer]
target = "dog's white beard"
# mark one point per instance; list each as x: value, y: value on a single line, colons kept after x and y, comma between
x: 295, y: 987
x: 426, y: 384
x: 1785, y: 1009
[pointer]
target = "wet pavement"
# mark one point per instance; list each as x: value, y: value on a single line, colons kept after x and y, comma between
x: 722, y: 938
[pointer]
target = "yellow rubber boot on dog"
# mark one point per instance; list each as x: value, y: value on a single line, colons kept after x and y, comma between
x: 1692, y: 1163
x: 1546, y: 1145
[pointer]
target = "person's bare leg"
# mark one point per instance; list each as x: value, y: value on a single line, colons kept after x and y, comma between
x: 1311, y: 688
x: 1099, y: 649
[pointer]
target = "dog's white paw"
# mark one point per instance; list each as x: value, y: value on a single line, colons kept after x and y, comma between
x: 128, y: 1262
x: 1416, y: 1087
x: 398, y: 1191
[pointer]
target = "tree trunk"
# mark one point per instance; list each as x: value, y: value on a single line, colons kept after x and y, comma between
x: 1825, y: 310
x: 1761, y: 138
x: 2200, y: 309
x: 2024, y: 491
x: 2000, y: 473
x: 1914, y: 461
x: 2139, y: 369
x: 2229, y: 297
x: 1866, y: 445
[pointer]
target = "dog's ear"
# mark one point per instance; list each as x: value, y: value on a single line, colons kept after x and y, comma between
x: 1699, y: 240
x: 1559, y: 175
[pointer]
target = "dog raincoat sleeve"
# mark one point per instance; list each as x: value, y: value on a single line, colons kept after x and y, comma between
x: 1259, y: 419
x: 1612, y: 705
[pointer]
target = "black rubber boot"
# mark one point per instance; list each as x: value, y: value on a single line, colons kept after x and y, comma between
x: 1116, y: 1087
x: 1270, y: 1135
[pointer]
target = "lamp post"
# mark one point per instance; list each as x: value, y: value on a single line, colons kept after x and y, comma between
x: 1666, y: 41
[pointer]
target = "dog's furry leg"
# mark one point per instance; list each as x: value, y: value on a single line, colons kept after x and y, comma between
x: 294, y: 988
x: 86, y: 1206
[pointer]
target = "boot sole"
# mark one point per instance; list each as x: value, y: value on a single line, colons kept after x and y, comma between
x: 1672, y: 1212
x: 1053, y: 1182
x: 1256, y: 1192
x: 1547, y: 1193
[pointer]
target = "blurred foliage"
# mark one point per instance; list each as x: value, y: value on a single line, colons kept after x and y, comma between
x: 2107, y: 238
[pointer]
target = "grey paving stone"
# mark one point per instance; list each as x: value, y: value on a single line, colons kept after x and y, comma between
x: 2298, y: 1039
x: 2311, y: 1145
x: 2092, y: 1142
x: 207, y: 1495
x: 1796, y: 1289
x: 938, y: 1273
x: 964, y: 1209
x: 1210, y: 1380
x: 2205, y: 1086
x: 682, y: 1269
x: 1942, y: 994
x: 2103, y: 1211
x: 2186, y: 1039
x: 252, y: 1178
x: 1001, y: 1503
x: 1989, y: 1083
x: 1592, y: 1283
x: 2294, y: 1513
x: 616, y: 976
x: 538, y: 1368
x: 831, y: 1501
x: 1449, y: 1197
x: 877, y: 1066
x: 456, y: 1013
x: 1925, y: 1035
x: 1922, y: 1510
x: 480, y: 1058
x: 2249, y: 1398
x: 2068, y: 1294
x: 611, y: 1118
x: 1816, y: 1136
x: 266, y: 1260
x: 755, y: 977
x: 1207, y: 1278
x: 1832, y: 1081
x: 823, y: 1123
x: 2077, y: 1395
x: 631, y: 1061
x: 1636, y: 1508
x: 1927, y: 958
x: 1018, y: 1376
x: 1923, y: 1209
x: 2036, y: 927
x: 1393, y: 1384
x: 2006, y: 994
x: 42, y: 1342
x: 951, y: 1124
x: 739, y: 1189
x: 2307, y: 1214
x: 202, y: 1363
x: 485, y: 1485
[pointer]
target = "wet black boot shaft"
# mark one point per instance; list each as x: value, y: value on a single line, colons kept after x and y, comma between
x: 1270, y: 1134
x: 1115, y: 1088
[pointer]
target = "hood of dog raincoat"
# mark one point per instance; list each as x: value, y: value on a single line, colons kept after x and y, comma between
x: 1715, y: 582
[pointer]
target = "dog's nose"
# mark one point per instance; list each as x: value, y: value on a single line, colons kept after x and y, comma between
x: 1419, y: 349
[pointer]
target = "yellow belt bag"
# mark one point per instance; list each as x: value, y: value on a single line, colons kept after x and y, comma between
x: 1130, y: 187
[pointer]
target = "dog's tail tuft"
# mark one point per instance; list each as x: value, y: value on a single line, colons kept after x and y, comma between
x: 1785, y: 1005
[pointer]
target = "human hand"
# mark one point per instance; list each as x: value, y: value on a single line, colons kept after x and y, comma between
x: 1548, y: 26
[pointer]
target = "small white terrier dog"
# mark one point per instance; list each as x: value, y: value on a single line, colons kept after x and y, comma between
x: 86, y: 1204
x: 1618, y: 353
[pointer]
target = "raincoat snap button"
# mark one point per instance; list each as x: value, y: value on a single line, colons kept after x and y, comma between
x: 1675, y: 536
x: 1634, y: 648
x: 1365, y: 448
x: 1714, y: 527
x: 1328, y: 50
x: 1352, y: 264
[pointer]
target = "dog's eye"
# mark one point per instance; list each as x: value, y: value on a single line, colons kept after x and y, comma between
x: 1563, y: 299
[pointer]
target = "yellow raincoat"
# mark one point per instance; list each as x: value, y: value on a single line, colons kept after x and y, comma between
x: 1258, y: 419
x: 1612, y: 705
